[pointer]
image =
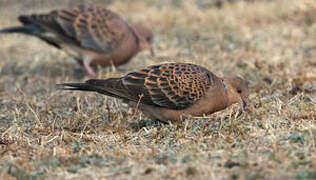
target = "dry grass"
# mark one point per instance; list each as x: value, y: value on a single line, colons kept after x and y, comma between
x: 47, y: 133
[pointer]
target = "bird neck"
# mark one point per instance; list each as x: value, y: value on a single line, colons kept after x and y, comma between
x: 231, y: 94
x: 225, y: 87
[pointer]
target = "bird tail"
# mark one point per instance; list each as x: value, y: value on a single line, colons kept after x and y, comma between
x: 101, y: 86
x: 26, y: 29
x: 77, y: 87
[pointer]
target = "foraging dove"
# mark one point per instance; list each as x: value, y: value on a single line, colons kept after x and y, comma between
x: 92, y: 35
x: 168, y: 91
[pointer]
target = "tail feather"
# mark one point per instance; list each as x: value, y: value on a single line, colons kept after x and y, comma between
x: 33, y: 30
x: 90, y: 85
x: 26, y: 29
x: 26, y: 19
x: 77, y: 87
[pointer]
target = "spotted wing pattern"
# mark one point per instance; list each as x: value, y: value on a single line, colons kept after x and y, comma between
x: 88, y: 26
x: 173, y: 85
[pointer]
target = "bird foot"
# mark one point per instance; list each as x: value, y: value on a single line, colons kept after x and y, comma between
x: 89, y: 70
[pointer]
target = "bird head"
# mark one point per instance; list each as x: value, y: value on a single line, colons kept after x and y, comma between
x: 145, y: 36
x: 239, y: 90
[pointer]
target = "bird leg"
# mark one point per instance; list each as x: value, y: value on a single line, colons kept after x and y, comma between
x: 244, y: 103
x: 87, y: 67
x: 244, y: 106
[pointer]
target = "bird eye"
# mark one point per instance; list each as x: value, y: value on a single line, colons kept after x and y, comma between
x: 239, y: 91
x: 148, y: 38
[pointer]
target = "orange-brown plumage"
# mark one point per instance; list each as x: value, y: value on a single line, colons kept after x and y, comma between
x: 169, y: 91
x: 91, y: 34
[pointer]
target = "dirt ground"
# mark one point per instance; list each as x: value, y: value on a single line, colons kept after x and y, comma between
x: 52, y: 134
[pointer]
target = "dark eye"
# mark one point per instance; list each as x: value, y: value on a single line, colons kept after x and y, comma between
x: 148, y: 38
x: 239, y: 91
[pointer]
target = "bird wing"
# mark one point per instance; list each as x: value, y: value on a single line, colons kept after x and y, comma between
x: 173, y: 85
x: 87, y: 26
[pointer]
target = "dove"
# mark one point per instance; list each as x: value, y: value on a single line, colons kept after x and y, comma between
x: 169, y: 92
x: 91, y: 34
